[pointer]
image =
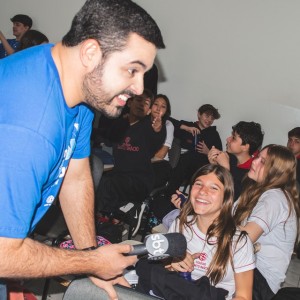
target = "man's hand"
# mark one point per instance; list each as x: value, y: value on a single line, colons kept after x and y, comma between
x: 106, y: 262
x: 107, y: 285
x: 111, y: 260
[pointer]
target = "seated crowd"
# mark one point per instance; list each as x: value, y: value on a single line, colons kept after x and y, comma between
x: 238, y: 198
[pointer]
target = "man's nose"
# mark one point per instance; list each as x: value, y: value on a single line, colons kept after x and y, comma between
x: 138, y: 85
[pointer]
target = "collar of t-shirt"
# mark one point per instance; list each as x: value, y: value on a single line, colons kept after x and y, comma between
x: 247, y: 164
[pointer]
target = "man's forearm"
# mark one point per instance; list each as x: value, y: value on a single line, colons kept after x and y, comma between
x: 31, y: 259
x: 77, y: 203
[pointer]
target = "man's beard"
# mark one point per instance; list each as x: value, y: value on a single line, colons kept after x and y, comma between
x: 95, y: 95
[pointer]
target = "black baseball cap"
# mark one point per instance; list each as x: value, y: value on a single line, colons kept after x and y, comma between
x: 24, y: 19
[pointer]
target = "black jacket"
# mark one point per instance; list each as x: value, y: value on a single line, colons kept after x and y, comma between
x: 209, y: 135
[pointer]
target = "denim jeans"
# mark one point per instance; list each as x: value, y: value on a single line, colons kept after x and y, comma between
x: 84, y: 289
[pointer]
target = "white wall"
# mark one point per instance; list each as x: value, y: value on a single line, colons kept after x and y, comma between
x: 241, y: 56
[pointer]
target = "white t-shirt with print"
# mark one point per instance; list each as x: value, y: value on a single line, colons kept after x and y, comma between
x: 243, y: 258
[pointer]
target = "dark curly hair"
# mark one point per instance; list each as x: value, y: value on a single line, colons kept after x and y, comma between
x: 110, y: 22
x: 250, y: 133
x: 209, y: 110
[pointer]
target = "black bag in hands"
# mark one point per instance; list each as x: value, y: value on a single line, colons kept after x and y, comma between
x: 169, y: 285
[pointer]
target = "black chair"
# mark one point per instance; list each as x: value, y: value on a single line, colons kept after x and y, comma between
x: 174, y: 155
x: 174, y: 152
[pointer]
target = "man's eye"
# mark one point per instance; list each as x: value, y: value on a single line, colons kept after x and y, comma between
x: 132, y: 71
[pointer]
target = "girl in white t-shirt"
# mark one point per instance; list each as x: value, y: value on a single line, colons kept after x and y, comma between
x: 215, y: 248
x: 268, y: 210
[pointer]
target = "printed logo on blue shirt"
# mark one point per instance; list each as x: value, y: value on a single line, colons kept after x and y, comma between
x: 64, y: 165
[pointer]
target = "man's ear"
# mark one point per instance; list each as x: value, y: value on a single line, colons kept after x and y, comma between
x: 90, y: 54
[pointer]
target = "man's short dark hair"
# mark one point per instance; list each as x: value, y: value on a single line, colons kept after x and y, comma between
x: 250, y: 133
x: 110, y: 22
x: 295, y: 132
x: 209, y: 110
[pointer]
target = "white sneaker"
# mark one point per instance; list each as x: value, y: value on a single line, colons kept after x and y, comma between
x: 138, y: 216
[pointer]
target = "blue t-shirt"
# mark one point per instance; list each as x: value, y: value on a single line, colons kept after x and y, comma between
x: 13, y: 43
x: 39, y: 134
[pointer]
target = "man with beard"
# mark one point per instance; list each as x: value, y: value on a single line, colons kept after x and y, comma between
x: 45, y: 96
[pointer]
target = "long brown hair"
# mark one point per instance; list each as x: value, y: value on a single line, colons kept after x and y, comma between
x: 223, y: 227
x: 279, y: 173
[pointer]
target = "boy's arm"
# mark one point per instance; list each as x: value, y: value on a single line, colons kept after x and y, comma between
x: 191, y: 129
x: 9, y: 50
x: 223, y: 160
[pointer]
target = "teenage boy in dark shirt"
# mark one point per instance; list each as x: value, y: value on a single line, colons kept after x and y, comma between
x: 135, y: 140
x: 196, y: 139
x: 241, y: 148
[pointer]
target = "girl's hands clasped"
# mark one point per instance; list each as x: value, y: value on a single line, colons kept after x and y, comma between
x: 185, y: 264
